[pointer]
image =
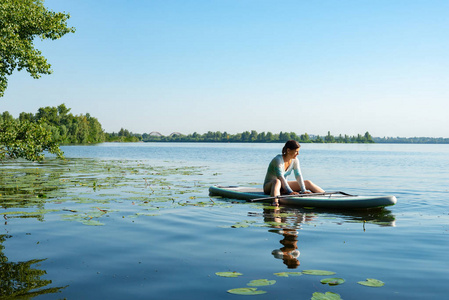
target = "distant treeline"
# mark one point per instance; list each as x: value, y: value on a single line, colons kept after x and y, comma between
x: 67, y: 128
x: 412, y: 140
x: 244, y: 137
x: 253, y: 136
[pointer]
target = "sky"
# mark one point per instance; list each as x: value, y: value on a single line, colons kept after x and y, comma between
x: 342, y: 66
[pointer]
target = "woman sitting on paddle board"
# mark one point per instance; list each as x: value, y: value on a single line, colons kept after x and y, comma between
x: 280, y: 167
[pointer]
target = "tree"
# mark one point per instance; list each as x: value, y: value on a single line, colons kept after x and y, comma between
x: 26, y: 117
x: 318, y: 139
x: 26, y: 139
x: 368, y: 138
x: 20, y: 23
x: 253, y: 136
x: 284, y: 136
x: 6, y: 116
x: 82, y: 133
x: 96, y: 133
x: 305, y: 138
x: 50, y: 114
x: 329, y: 138
x: 261, y: 137
x: 245, y: 136
x: 269, y: 137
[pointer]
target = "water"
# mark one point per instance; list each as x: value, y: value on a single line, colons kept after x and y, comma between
x: 163, y: 237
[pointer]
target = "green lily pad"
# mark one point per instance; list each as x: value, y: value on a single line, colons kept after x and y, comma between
x: 228, y: 274
x: 332, y: 281
x: 242, y: 224
x: 147, y: 214
x: 239, y: 225
x: 246, y: 291
x: 261, y: 282
x: 372, y: 282
x: 41, y: 211
x: 318, y: 272
x: 286, y: 274
x: 326, y: 296
x: 92, y: 223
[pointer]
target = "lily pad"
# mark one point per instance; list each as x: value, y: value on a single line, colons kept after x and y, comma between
x: 318, y: 272
x: 286, y: 274
x: 326, y: 296
x: 239, y: 225
x: 147, y: 214
x: 92, y: 223
x: 332, y: 281
x: 246, y: 291
x: 242, y: 224
x: 228, y: 274
x: 261, y: 282
x: 372, y: 282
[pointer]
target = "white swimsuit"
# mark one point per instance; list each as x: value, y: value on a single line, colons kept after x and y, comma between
x: 276, y: 171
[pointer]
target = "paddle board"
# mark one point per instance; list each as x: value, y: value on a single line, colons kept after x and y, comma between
x: 335, y: 200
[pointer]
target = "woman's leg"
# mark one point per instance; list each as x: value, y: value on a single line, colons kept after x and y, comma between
x: 313, y: 187
x: 294, y: 185
x: 274, y: 189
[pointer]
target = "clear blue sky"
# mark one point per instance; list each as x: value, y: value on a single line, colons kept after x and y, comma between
x: 234, y: 65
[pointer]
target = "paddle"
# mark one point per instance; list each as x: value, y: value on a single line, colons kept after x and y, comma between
x: 299, y: 195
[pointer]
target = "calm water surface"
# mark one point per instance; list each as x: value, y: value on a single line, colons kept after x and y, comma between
x: 157, y: 234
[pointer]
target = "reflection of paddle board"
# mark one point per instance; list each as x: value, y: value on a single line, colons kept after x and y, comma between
x: 334, y: 200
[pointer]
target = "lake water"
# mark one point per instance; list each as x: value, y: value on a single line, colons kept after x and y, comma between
x: 135, y: 221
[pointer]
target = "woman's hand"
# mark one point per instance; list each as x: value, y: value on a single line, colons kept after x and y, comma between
x: 294, y: 193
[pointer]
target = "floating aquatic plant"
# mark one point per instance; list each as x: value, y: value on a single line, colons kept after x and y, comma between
x: 318, y: 272
x: 242, y: 224
x: 147, y: 214
x: 332, y: 281
x: 87, y: 181
x: 246, y: 291
x: 261, y: 282
x: 92, y: 223
x: 26, y: 213
x: 326, y: 296
x: 371, y: 282
x: 228, y: 274
x: 287, y: 274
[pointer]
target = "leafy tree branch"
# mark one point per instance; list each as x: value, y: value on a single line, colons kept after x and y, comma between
x: 21, y: 21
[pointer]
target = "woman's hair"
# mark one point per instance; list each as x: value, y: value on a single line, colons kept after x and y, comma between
x: 292, y: 145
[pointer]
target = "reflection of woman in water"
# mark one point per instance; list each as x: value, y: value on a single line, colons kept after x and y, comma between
x: 275, y: 182
x: 289, y: 253
x: 278, y: 218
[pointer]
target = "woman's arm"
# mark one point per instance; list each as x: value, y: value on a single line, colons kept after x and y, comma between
x: 298, y: 175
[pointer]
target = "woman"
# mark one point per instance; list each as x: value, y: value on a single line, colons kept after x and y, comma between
x: 280, y: 167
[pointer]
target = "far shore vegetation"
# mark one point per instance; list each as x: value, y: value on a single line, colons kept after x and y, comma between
x: 31, y: 134
x: 244, y: 137
x: 266, y: 137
